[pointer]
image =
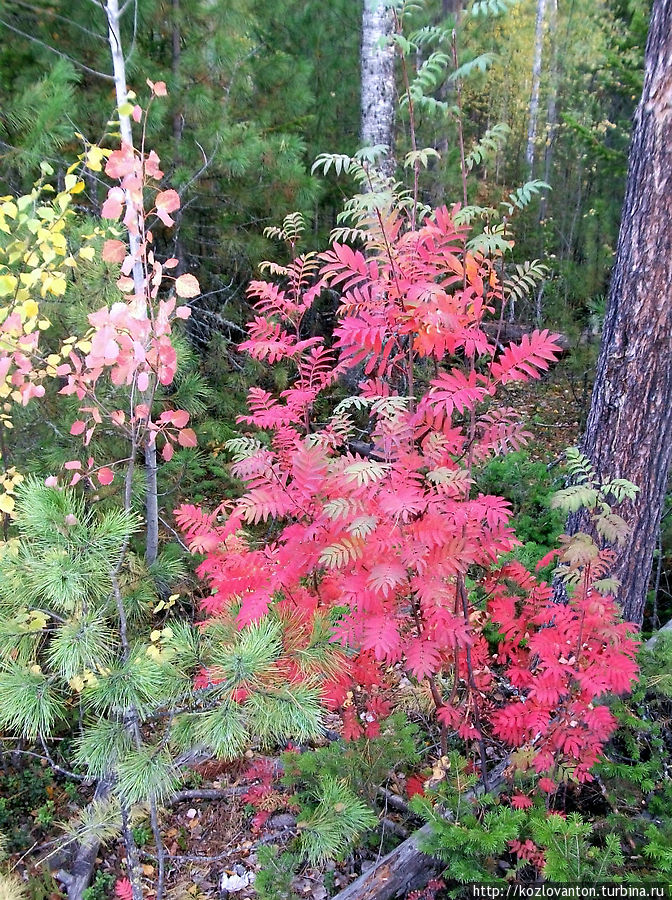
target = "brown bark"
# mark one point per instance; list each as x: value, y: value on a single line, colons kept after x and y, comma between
x: 404, y: 869
x: 407, y: 868
x: 629, y: 427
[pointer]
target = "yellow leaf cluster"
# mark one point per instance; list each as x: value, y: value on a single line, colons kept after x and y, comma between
x: 9, y: 481
x: 34, y: 261
x: 156, y: 650
x: 86, y: 679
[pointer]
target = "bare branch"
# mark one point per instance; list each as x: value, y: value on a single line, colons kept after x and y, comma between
x: 43, y: 10
x: 60, y: 53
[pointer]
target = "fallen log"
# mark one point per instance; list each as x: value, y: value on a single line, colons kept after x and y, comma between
x: 658, y: 635
x: 407, y: 868
x: 78, y: 875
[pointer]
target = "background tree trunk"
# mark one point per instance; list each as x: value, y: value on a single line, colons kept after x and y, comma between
x: 378, y: 92
x: 552, y: 105
x: 629, y: 428
x: 533, y: 110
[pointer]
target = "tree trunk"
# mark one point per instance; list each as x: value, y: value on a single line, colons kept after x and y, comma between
x: 121, y: 89
x: 78, y: 877
x: 378, y: 93
x: 113, y: 15
x: 533, y: 112
x: 151, y: 504
x: 552, y: 107
x: 407, y: 868
x: 449, y: 8
x: 629, y: 427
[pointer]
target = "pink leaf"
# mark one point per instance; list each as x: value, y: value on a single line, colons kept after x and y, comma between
x: 152, y: 169
x: 114, y: 251
x: 73, y: 464
x: 422, y: 658
x: 78, y: 427
x: 123, y: 889
x: 171, y: 263
x: 187, y: 438
x: 168, y: 200
x: 168, y: 451
x: 548, y: 785
x: 520, y: 801
x: 182, y: 312
x: 125, y: 285
x: 105, y: 475
x: 179, y: 418
x: 120, y: 163
x: 167, y: 220
x: 187, y: 286
x: 158, y: 88
x: 137, y: 113
x: 114, y: 204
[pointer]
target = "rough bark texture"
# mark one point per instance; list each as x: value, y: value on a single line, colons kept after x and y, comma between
x: 378, y: 94
x: 404, y: 869
x: 629, y: 428
x: 407, y: 868
x: 78, y: 876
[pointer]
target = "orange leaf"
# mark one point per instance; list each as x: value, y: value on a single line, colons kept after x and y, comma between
x: 114, y: 251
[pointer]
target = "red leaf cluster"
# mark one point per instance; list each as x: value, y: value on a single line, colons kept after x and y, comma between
x: 386, y: 530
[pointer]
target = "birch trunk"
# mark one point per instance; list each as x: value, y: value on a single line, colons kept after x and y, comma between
x: 377, y: 74
x: 121, y: 90
x: 533, y: 113
x: 552, y: 107
x: 135, y: 233
x: 629, y: 428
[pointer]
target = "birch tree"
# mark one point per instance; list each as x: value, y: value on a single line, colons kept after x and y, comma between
x: 378, y: 91
x: 533, y: 113
x: 113, y: 15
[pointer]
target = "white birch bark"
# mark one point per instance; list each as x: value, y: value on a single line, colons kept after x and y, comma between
x: 121, y: 90
x: 533, y: 113
x: 377, y: 75
x: 113, y: 15
x: 551, y: 108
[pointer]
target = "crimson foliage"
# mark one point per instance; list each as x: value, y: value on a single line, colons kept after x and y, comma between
x: 372, y: 514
